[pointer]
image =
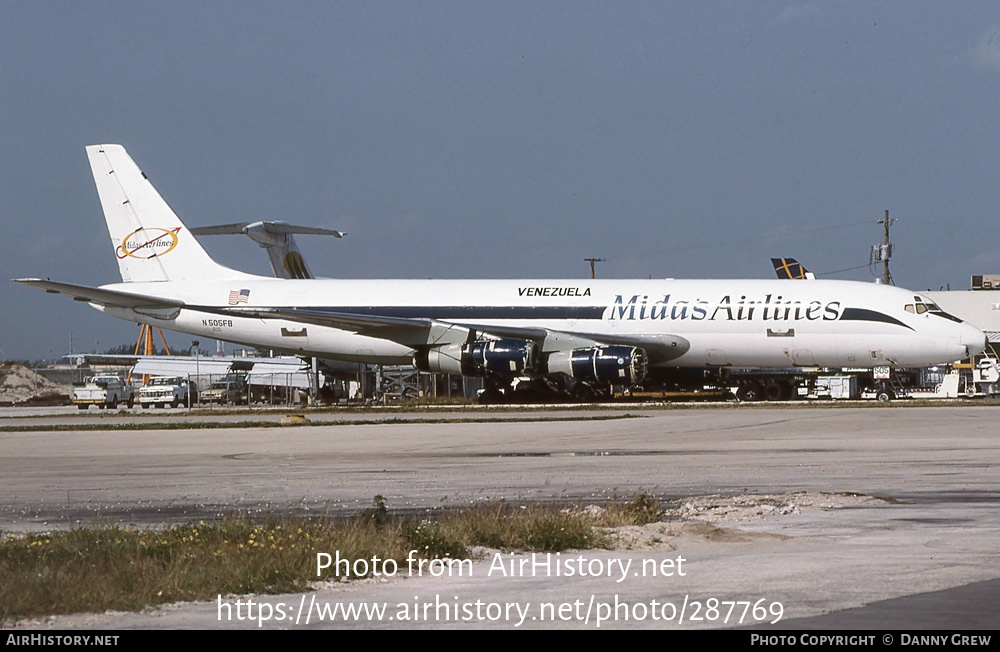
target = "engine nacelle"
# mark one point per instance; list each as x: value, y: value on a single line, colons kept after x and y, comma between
x: 621, y: 365
x: 505, y: 357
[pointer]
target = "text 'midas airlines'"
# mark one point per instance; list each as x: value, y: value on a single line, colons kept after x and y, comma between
x: 571, y: 335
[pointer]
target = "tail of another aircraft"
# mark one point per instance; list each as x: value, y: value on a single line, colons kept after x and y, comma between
x: 277, y: 239
x: 790, y: 268
x: 151, y: 243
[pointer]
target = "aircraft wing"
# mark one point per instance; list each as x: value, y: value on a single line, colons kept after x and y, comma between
x: 101, y: 296
x: 361, y: 324
x: 407, y: 331
x: 433, y: 332
x: 415, y: 332
x: 659, y: 348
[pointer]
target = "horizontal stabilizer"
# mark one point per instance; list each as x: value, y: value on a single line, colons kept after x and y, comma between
x: 100, y: 296
x: 282, y: 228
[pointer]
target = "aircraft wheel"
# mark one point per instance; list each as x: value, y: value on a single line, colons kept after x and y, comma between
x: 490, y: 397
x: 773, y: 392
x: 584, y: 393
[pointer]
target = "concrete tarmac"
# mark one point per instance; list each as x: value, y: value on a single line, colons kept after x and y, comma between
x: 931, y: 543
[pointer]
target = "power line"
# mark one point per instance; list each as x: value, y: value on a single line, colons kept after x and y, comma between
x: 772, y: 236
x: 846, y: 269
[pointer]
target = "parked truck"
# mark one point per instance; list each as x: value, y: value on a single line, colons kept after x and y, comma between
x: 103, y: 391
x: 162, y: 391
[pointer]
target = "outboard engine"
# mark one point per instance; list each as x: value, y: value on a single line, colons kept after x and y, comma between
x: 620, y: 365
x: 504, y: 357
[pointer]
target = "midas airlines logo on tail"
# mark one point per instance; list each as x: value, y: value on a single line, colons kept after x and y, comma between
x: 768, y: 308
x: 146, y: 243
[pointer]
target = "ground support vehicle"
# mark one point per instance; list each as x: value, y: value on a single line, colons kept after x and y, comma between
x: 985, y: 377
x: 162, y: 391
x: 103, y: 391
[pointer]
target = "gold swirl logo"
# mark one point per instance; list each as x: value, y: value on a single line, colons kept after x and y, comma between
x: 144, y: 243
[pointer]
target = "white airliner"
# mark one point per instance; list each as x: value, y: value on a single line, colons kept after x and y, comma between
x: 578, y: 336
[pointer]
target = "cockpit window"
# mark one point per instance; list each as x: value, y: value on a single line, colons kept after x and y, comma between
x: 942, y: 313
x: 920, y: 306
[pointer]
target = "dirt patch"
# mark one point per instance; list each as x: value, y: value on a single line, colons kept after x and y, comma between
x: 716, y: 508
x: 700, y: 517
x: 18, y: 384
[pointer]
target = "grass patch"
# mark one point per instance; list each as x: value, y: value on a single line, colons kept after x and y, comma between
x: 640, y: 510
x: 95, y: 569
x: 508, y: 527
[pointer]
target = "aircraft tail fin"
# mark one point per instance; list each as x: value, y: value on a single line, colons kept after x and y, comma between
x: 277, y: 239
x: 150, y: 241
x: 787, y: 268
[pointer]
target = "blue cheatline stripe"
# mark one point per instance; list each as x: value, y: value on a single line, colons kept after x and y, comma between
x: 863, y: 314
x: 524, y: 312
x: 465, y: 312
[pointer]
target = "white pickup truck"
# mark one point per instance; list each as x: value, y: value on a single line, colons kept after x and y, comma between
x: 164, y: 390
x: 103, y: 391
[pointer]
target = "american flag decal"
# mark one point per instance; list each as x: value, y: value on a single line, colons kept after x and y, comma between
x: 238, y: 296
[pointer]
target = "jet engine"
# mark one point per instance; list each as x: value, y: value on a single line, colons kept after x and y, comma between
x: 621, y: 365
x: 504, y: 357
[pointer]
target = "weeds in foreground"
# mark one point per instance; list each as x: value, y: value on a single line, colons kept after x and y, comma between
x: 111, y: 567
x: 640, y: 510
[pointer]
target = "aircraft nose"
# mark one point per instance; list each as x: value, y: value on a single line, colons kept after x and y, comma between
x: 974, y: 340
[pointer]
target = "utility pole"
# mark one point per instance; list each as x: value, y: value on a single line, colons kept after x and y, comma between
x: 592, y: 261
x: 884, y: 252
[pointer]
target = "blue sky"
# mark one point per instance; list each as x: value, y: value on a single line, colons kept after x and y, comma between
x: 478, y: 140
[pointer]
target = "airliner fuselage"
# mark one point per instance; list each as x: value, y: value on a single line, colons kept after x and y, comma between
x: 570, y: 334
x: 744, y: 323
